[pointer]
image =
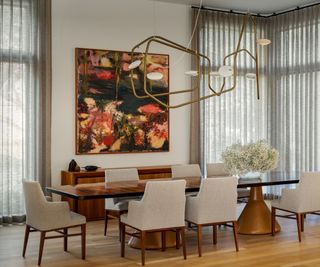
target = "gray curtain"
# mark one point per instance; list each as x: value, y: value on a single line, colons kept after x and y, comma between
x: 288, y: 113
x: 236, y: 116
x: 25, y: 97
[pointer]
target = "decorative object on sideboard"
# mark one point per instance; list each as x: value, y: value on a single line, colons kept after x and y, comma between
x: 109, y: 119
x: 203, y: 66
x: 91, y: 168
x: 247, y: 160
x: 73, y: 166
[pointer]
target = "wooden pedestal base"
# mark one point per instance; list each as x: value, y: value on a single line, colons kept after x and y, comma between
x: 153, y: 240
x: 255, y: 218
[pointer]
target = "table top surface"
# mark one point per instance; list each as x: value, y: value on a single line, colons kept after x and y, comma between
x: 136, y: 188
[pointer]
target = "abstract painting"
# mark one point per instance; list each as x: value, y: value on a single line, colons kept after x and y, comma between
x: 109, y: 118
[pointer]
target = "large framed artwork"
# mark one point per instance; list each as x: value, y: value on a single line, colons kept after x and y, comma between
x: 109, y: 118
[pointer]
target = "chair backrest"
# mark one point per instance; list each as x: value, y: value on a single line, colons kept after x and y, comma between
x: 309, y: 187
x: 218, y: 200
x: 164, y: 203
x: 34, y: 201
x: 119, y: 175
x: 216, y: 169
x: 185, y: 170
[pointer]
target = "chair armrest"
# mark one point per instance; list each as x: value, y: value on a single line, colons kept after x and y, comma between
x: 136, y: 212
x: 290, y: 198
x: 57, y: 209
x: 192, y: 208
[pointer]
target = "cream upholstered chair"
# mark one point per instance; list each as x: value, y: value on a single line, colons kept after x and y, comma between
x: 305, y: 198
x: 161, y: 208
x: 47, y: 216
x: 216, y: 203
x: 219, y: 170
x: 185, y: 170
x: 117, y: 206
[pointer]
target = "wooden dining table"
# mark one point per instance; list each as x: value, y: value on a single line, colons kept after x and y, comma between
x: 255, y: 218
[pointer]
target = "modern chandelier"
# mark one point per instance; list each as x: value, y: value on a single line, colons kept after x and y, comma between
x: 224, y: 71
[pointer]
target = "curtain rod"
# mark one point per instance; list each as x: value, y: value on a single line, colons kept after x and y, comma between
x: 256, y: 14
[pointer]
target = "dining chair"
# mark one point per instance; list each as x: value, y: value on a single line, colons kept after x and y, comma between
x: 298, y: 202
x: 47, y: 216
x: 218, y: 170
x: 151, y: 215
x: 185, y: 170
x: 117, y: 206
x: 215, y: 204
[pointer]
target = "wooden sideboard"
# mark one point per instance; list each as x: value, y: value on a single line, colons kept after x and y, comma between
x: 94, y: 209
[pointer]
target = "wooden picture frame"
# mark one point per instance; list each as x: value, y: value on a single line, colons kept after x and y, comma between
x: 109, y: 118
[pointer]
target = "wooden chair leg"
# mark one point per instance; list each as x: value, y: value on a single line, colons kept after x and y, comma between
x: 26, y: 238
x: 177, y: 238
x: 143, y: 247
x: 199, y: 235
x: 123, y: 238
x: 163, y: 240
x: 298, y: 217
x: 106, y: 222
x: 119, y: 226
x: 42, y: 238
x: 302, y: 222
x: 83, y: 241
x: 235, y: 234
x: 214, y: 234
x: 183, y: 239
x: 65, y: 239
x: 273, y: 220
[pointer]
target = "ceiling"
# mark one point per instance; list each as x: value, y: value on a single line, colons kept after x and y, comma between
x: 254, y: 6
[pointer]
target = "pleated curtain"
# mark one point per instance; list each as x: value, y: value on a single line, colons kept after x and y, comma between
x: 287, y: 115
x: 25, y: 93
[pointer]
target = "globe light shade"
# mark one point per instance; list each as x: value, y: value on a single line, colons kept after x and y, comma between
x: 263, y: 42
x: 251, y: 76
x: 134, y: 64
x: 225, y: 71
x: 154, y: 76
x: 192, y: 73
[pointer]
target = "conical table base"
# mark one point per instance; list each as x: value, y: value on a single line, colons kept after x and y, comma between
x: 255, y: 218
x: 153, y: 240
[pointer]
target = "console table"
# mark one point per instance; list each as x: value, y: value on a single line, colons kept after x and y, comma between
x: 94, y: 209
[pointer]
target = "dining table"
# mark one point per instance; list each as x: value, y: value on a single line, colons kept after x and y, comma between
x: 255, y: 217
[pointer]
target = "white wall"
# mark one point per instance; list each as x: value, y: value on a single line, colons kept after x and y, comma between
x: 114, y: 25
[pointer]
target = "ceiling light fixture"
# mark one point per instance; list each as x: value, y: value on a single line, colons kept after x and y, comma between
x: 225, y: 71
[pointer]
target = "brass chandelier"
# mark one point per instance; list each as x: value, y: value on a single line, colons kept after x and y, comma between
x: 225, y: 71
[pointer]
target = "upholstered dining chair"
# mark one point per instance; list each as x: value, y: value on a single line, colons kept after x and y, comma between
x: 216, y: 203
x: 218, y: 170
x: 161, y: 209
x: 298, y: 202
x: 185, y: 170
x: 47, y: 216
x: 117, y: 206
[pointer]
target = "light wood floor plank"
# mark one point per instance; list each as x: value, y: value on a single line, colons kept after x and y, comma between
x: 283, y: 250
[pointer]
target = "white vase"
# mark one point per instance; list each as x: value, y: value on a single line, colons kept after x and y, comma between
x: 251, y: 175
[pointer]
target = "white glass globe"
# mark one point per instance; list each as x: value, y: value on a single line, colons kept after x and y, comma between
x: 263, y: 42
x: 154, y: 76
x: 225, y: 71
x: 134, y: 64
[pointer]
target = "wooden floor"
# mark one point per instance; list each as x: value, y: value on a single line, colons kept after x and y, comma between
x: 264, y: 250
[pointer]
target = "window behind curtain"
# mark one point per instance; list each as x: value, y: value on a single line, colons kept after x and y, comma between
x: 288, y: 113
x: 294, y: 89
x: 236, y: 116
x: 19, y: 100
